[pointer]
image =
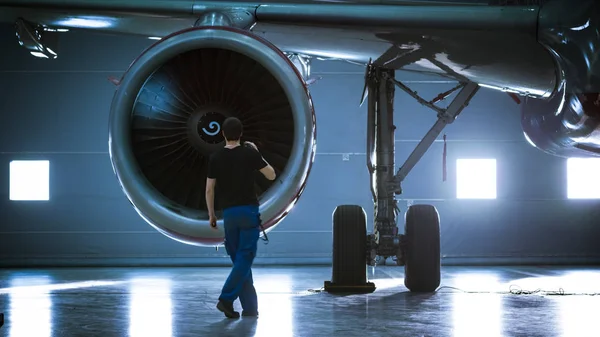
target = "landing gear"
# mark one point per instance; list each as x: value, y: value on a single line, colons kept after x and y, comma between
x: 349, y: 273
x: 418, y: 249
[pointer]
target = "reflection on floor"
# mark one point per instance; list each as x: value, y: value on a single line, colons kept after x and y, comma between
x: 147, y: 302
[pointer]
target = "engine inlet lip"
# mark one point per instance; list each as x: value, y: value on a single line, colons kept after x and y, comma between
x: 184, y: 224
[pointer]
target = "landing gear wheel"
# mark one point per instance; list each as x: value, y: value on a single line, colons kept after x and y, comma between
x: 422, y: 254
x: 349, y: 272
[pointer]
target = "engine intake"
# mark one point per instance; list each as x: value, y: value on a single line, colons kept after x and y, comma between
x: 166, y: 117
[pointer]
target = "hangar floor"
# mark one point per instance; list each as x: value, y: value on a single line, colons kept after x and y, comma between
x: 473, y: 301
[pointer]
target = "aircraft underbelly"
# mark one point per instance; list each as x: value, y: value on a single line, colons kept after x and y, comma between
x: 511, y: 62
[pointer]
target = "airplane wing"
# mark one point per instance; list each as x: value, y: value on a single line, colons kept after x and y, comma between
x: 494, y: 46
x: 461, y: 38
x: 162, y: 17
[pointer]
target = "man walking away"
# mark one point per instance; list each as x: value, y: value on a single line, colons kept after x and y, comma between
x: 231, y: 171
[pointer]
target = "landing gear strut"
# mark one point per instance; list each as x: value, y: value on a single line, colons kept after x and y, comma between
x: 418, y: 249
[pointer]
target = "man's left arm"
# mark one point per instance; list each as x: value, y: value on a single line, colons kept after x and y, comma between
x: 210, y: 196
x: 211, y: 181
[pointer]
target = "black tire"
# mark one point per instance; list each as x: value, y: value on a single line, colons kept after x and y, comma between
x: 422, y: 254
x: 349, y: 246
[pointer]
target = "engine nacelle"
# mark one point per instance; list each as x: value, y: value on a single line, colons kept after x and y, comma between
x: 165, y: 122
x: 568, y: 125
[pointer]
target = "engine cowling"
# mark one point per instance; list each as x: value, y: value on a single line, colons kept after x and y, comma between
x: 165, y: 122
x: 568, y: 125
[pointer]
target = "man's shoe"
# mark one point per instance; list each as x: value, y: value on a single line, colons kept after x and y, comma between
x: 227, y: 309
x: 249, y: 313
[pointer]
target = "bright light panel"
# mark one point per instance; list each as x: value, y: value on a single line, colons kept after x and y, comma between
x: 476, y: 178
x: 583, y: 181
x: 29, y: 180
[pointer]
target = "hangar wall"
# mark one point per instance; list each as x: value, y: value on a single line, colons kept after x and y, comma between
x: 58, y: 110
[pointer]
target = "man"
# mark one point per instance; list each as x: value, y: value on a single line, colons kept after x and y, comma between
x: 231, y: 170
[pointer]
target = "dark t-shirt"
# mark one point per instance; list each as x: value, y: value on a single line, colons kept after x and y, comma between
x: 234, y: 171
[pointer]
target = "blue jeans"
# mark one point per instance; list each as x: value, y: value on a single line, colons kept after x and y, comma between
x: 242, y: 230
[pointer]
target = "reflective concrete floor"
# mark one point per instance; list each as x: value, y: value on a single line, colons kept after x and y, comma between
x: 148, y: 302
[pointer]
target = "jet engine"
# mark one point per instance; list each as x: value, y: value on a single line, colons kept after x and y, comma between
x: 567, y: 125
x: 166, y: 117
